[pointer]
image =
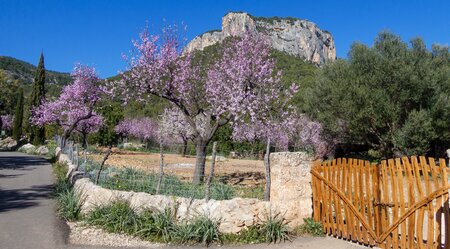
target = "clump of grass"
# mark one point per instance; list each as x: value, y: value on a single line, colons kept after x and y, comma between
x: 272, y: 230
x: 117, y: 217
x: 250, y: 235
x: 220, y: 191
x: 69, y: 203
x: 163, y: 224
x: 275, y: 228
x: 311, y: 227
x: 201, y: 230
x: 60, y: 170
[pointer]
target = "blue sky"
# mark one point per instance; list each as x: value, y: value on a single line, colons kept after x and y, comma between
x: 97, y: 33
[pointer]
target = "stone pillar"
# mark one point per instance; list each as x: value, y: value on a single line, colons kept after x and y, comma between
x: 291, y: 191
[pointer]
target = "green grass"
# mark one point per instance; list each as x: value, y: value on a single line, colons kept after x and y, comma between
x: 311, y: 227
x: 68, y: 201
x: 139, y: 181
x: 118, y: 217
x: 272, y: 230
x: 162, y: 226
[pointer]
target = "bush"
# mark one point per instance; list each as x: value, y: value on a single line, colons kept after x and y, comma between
x: 311, y: 227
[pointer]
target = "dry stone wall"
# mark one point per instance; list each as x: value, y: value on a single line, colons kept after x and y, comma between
x: 290, y: 192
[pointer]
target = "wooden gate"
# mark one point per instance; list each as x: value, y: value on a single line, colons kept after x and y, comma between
x: 401, y: 203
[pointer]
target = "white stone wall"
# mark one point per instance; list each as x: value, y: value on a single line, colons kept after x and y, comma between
x: 290, y: 195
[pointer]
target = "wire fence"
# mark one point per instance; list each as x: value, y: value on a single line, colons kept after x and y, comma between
x: 165, y: 170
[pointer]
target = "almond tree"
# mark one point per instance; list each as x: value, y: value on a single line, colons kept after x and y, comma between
x: 6, y: 122
x: 237, y: 86
x: 88, y: 126
x: 75, y: 104
x: 173, y: 126
x: 143, y: 129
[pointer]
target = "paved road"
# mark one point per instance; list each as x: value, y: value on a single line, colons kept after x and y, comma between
x: 27, y: 211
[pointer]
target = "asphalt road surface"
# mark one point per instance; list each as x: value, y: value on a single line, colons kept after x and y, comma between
x: 28, y: 218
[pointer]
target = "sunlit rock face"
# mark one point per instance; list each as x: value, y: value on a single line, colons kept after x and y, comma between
x: 296, y: 37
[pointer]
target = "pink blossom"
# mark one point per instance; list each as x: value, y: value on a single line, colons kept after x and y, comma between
x: 75, y: 103
x: 7, y: 122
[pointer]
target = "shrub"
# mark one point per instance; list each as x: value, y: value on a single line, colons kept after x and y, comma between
x: 311, y: 227
x: 117, y: 217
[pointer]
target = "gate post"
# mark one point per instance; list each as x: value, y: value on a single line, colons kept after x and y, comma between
x: 291, y: 190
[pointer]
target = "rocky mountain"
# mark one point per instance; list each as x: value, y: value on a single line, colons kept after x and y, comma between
x: 24, y: 72
x: 300, y: 38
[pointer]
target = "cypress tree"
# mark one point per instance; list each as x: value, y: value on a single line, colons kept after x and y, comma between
x: 18, y: 116
x: 37, y: 97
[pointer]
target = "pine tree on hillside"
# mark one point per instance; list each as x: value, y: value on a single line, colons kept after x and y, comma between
x: 37, y: 97
x: 18, y: 116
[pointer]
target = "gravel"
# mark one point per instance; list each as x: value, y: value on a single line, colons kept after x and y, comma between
x: 87, y: 235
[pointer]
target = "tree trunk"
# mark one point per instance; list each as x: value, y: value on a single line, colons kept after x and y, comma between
x: 84, y: 140
x: 184, y: 150
x: 211, y: 173
x: 108, y: 152
x: 267, y: 166
x: 199, y: 172
x: 161, y: 168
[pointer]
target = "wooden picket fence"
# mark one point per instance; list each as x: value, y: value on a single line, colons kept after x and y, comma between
x: 399, y: 203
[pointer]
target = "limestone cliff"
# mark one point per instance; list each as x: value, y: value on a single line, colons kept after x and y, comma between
x: 291, y: 35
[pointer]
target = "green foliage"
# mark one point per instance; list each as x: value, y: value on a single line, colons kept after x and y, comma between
x: 250, y: 235
x: 221, y: 191
x: 311, y: 227
x: 275, y: 228
x: 413, y: 138
x: 8, y: 93
x: 368, y: 99
x: 112, y: 113
x: 138, y: 181
x: 37, y: 97
x: 117, y: 217
x: 24, y: 72
x: 68, y: 201
x: 60, y: 170
x: 18, y: 116
x: 201, y: 230
x: 272, y: 230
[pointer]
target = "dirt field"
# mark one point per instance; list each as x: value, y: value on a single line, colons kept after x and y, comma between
x: 232, y: 171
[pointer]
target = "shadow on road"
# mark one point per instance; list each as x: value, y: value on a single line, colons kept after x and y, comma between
x: 23, y: 198
x: 20, y: 162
